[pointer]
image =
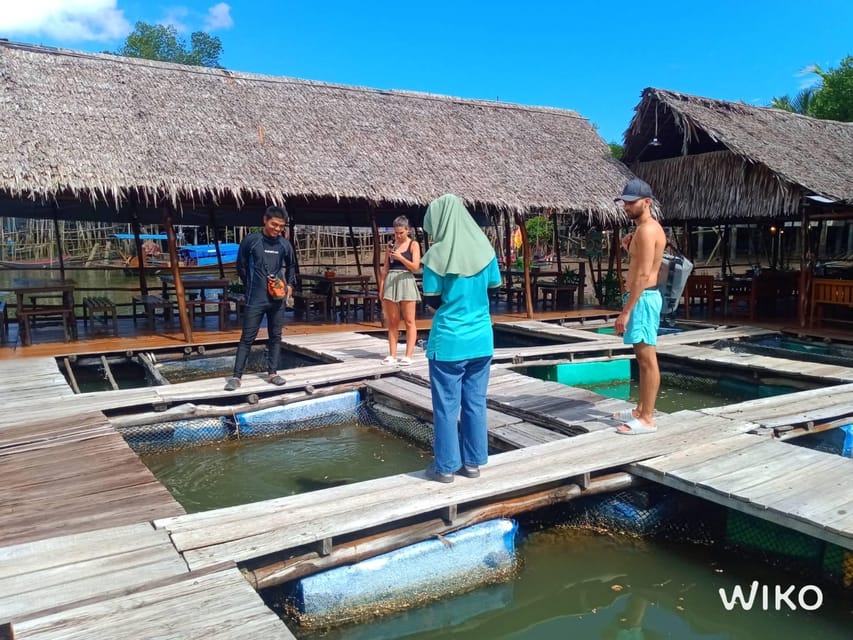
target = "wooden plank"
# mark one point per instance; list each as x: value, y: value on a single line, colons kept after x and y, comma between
x: 60, y: 571
x: 217, y: 605
x: 263, y: 527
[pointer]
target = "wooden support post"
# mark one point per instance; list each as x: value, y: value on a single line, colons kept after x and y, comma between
x: 376, y: 264
x: 355, y: 247
x: 324, y: 547
x: 804, y: 300
x: 449, y: 514
x: 525, y: 246
x: 508, y: 245
x: 557, y: 243
x: 212, y: 222
x: 58, y: 239
x: 140, y: 258
x: 176, y: 274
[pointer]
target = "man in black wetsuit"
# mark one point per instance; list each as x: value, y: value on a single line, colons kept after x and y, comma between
x: 261, y: 256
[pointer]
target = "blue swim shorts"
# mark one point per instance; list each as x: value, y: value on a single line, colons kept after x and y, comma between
x: 645, y: 319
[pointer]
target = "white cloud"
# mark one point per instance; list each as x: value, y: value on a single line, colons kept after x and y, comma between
x: 218, y: 17
x: 176, y: 17
x: 64, y: 20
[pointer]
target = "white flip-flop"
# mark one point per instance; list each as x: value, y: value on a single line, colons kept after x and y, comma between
x: 404, y: 361
x: 624, y: 415
x: 389, y: 360
x: 635, y: 427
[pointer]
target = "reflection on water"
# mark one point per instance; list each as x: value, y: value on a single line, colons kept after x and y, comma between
x: 584, y: 585
x: 238, y: 472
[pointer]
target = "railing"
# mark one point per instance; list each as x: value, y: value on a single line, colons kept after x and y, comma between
x: 828, y: 291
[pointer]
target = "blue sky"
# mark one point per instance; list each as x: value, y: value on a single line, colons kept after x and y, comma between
x: 592, y: 57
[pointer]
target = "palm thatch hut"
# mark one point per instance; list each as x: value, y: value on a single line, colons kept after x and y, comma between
x: 105, y: 130
x: 714, y: 160
x: 102, y: 137
x: 711, y: 161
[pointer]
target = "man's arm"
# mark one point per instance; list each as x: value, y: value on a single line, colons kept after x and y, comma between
x: 243, y: 260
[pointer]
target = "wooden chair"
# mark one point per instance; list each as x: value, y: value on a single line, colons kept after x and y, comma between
x: 699, y: 289
x: 26, y: 324
x: 198, y: 307
x: 105, y: 306
x: 742, y: 298
x: 150, y: 304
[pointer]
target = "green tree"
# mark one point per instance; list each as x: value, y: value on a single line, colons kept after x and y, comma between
x: 616, y: 149
x: 161, y: 42
x: 834, y: 99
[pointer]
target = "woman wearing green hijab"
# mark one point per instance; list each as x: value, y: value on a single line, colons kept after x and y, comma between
x: 459, y: 268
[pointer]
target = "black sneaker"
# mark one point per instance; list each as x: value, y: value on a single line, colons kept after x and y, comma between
x: 432, y: 474
x: 232, y: 384
x: 469, y: 471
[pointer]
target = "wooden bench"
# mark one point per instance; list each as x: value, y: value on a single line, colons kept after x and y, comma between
x: 198, y: 307
x: 4, y: 322
x: 26, y: 317
x: 349, y: 302
x: 310, y: 300
x: 149, y: 304
x: 95, y: 305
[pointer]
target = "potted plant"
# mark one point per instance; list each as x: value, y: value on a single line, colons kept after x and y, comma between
x: 567, y: 282
x: 568, y: 277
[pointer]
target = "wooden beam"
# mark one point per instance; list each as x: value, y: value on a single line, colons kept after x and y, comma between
x: 176, y: 274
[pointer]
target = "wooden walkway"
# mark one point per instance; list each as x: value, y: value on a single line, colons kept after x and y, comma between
x: 75, y: 477
x: 125, y: 582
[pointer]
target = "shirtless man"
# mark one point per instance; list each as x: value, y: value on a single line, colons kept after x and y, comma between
x: 641, y: 305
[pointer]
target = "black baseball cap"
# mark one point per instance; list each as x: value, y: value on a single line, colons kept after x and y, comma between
x: 636, y: 189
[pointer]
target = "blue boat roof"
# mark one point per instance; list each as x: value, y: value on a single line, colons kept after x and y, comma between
x: 142, y: 236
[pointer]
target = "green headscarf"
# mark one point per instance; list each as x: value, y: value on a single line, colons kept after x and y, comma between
x: 458, y: 246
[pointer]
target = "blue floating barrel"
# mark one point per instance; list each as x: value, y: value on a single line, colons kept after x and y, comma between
x: 423, y: 571
x: 276, y: 419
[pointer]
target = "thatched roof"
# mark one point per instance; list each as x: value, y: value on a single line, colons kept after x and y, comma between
x: 101, y: 127
x: 720, y: 159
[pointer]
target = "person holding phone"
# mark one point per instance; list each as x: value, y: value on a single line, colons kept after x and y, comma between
x: 398, y: 290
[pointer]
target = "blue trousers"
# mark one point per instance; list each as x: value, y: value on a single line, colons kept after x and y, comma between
x: 459, y: 412
x: 254, y: 313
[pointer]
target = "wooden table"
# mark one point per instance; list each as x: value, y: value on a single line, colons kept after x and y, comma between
x: 35, y: 288
x: 330, y: 286
x: 201, y: 283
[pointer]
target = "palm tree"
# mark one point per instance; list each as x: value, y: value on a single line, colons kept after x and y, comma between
x: 800, y: 104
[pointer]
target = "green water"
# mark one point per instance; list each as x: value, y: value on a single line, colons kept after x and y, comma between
x: 238, y: 472
x: 678, y: 390
x: 581, y: 585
